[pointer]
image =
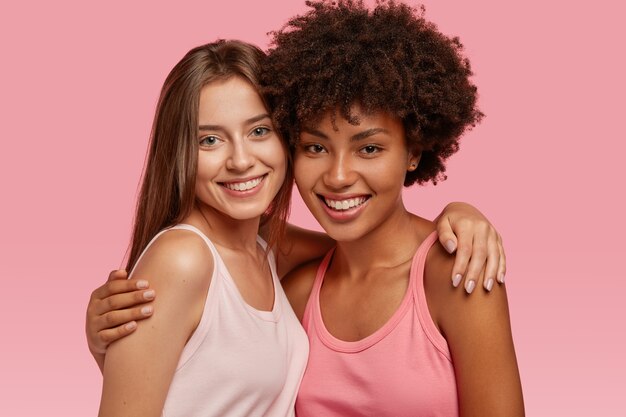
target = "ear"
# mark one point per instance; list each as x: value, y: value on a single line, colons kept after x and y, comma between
x: 413, y: 160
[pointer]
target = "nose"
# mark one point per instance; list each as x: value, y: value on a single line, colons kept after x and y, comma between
x: 241, y: 158
x: 340, y: 173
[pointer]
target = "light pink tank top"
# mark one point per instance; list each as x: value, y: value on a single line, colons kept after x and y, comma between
x: 404, y: 369
x: 240, y: 361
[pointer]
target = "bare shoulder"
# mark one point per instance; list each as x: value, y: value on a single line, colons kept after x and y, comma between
x: 451, y: 306
x: 298, y: 285
x: 179, y: 266
x: 179, y: 260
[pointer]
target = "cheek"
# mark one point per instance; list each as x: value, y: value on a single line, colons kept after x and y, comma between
x: 275, y: 155
x: 303, y: 169
x: 206, y: 167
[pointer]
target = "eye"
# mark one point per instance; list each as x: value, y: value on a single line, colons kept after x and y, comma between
x: 313, y: 148
x: 260, y: 131
x: 370, y: 149
x: 209, y: 141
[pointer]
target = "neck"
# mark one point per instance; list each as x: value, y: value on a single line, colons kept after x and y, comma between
x: 225, y: 231
x: 392, y: 243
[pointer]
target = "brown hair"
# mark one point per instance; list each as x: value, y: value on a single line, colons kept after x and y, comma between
x: 390, y: 59
x: 167, y: 192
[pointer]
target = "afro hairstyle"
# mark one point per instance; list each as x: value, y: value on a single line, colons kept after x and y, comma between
x: 388, y: 59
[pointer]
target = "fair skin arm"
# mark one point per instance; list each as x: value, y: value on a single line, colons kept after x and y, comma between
x: 115, y: 306
x: 478, y: 332
x: 135, y: 384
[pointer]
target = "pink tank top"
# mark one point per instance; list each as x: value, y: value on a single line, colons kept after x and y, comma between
x: 240, y: 361
x: 402, y: 369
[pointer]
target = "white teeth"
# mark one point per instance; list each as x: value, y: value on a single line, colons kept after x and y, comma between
x: 243, y: 186
x: 344, y: 204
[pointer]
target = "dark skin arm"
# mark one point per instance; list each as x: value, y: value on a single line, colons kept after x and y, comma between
x: 478, y: 332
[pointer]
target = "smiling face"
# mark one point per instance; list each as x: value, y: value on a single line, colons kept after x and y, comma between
x: 351, y: 177
x: 241, y: 159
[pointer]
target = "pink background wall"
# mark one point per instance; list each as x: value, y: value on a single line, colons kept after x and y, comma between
x: 77, y: 92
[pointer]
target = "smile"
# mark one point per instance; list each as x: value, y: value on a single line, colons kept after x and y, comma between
x: 243, y: 185
x: 346, y: 204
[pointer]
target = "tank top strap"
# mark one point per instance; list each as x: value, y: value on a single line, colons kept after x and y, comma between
x: 181, y: 226
x: 270, y: 257
x: 194, y: 229
x: 317, y: 285
x: 421, y: 306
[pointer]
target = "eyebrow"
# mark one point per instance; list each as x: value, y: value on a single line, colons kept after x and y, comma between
x: 249, y: 121
x: 354, y: 138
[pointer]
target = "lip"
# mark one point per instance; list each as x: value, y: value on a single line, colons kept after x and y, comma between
x: 343, y: 215
x: 245, y: 193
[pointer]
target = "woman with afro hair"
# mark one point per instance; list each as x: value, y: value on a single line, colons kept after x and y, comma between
x: 371, y: 101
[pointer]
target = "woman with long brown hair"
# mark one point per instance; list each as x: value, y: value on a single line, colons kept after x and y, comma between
x: 223, y: 339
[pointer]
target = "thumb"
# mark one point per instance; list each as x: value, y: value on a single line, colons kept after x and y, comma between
x: 446, y: 235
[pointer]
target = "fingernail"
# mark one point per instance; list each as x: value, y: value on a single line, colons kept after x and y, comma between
x: 142, y: 283
x: 457, y: 280
x: 148, y: 295
x: 489, y: 284
x: 501, y: 278
x: 469, y: 286
x: 450, y: 246
x: 130, y: 326
x: 146, y: 311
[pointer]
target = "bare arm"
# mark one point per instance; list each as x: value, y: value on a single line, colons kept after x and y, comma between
x: 298, y: 284
x: 139, y: 369
x: 478, y: 333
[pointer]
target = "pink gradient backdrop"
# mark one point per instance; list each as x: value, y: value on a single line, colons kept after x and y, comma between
x: 77, y: 93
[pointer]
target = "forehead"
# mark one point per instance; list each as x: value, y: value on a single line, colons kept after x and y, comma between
x: 334, y: 120
x: 229, y: 100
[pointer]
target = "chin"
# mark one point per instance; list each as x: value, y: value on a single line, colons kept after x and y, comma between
x: 345, y: 234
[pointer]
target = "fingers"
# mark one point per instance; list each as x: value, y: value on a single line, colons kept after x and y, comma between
x: 502, y: 263
x: 462, y: 259
x: 486, y: 261
x: 478, y: 258
x: 108, y: 336
x: 117, y: 286
x: 114, y: 309
x: 493, y: 261
x: 447, y: 237
x: 113, y: 324
x: 122, y: 300
x: 117, y: 319
x: 118, y: 275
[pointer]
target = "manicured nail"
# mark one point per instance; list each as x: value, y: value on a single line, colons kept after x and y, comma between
x: 501, y: 278
x: 469, y: 286
x: 141, y: 284
x: 489, y: 284
x: 146, y: 311
x: 148, y: 295
x: 457, y: 280
x: 450, y: 246
x: 130, y: 326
